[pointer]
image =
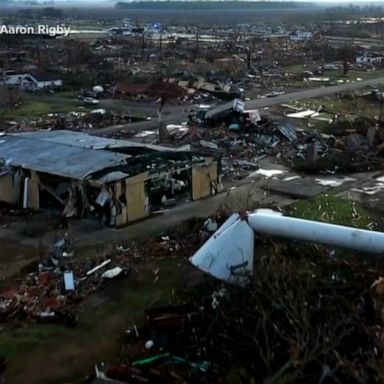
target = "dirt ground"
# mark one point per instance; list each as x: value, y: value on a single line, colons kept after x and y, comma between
x: 56, y: 354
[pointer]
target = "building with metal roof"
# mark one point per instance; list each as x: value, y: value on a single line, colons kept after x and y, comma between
x: 122, y: 180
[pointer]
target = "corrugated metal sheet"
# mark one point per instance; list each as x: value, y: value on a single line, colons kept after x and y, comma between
x: 83, y: 140
x: 233, y: 105
x: 54, y: 158
x: 287, y: 130
x: 112, y: 176
x: 219, y: 110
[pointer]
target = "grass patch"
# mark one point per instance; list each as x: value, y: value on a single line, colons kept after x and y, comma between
x: 352, y: 75
x: 358, y: 106
x: 67, y: 94
x: 295, y: 69
x: 334, y: 209
x: 33, y: 109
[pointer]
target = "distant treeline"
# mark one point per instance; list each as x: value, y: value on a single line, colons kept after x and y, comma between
x: 207, y: 5
x: 354, y: 11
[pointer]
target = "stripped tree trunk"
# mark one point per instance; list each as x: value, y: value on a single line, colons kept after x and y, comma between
x: 163, y: 132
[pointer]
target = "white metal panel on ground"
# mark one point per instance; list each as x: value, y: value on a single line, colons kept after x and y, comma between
x: 228, y: 254
x: 69, y: 281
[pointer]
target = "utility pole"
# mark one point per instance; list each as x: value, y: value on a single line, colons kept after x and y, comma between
x: 142, y: 43
x: 137, y: 35
x: 197, y: 41
x: 249, y: 56
x: 69, y: 59
x: 161, y: 41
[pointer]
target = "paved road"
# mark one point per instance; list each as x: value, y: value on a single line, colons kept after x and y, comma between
x: 356, y: 40
x: 310, y: 93
x: 171, y: 113
x: 143, y: 108
x: 176, y: 115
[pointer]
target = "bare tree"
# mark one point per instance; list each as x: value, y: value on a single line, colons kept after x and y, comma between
x: 165, y: 91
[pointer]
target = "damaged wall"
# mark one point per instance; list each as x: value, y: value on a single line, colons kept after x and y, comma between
x: 122, y: 217
x: 11, y: 184
x: 34, y: 191
x: 8, y: 193
x: 135, y: 194
x: 202, y: 179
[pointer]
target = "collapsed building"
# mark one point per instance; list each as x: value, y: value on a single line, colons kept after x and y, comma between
x: 119, y: 181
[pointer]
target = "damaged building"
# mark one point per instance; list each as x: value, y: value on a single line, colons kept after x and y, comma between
x: 118, y: 181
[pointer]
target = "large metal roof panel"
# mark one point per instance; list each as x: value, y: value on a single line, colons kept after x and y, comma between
x: 55, y: 158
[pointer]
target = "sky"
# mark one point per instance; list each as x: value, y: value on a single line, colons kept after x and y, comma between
x: 338, y: 2
x: 306, y: 1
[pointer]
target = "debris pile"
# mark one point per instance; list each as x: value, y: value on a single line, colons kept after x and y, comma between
x: 241, y: 150
x: 51, y: 288
x: 242, y: 140
x: 350, y: 147
x: 184, y: 240
x: 75, y: 121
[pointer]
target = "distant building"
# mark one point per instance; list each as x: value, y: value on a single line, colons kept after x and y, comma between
x: 31, y: 82
x: 300, y: 36
x: 369, y: 58
x: 46, y: 80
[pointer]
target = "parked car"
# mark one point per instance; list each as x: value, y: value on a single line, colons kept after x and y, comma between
x: 87, y: 94
x: 274, y: 94
x: 90, y: 101
x: 91, y: 94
